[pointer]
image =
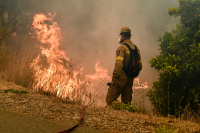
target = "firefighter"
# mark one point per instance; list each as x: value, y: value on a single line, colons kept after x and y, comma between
x: 121, y: 84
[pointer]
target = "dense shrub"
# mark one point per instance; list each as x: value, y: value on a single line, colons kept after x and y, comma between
x: 178, y: 86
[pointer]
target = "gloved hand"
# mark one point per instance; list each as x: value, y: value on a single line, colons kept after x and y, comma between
x: 111, y: 83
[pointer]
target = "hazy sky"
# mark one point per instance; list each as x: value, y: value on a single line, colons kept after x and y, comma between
x: 91, y: 28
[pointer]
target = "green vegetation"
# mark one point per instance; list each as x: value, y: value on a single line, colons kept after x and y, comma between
x: 16, y: 91
x: 178, y: 86
x: 164, y: 129
x: 122, y: 106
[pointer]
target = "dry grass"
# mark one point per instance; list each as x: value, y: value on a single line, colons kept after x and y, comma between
x: 15, y: 67
x: 15, y: 62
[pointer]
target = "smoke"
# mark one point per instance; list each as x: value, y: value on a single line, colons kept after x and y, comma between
x: 91, y: 28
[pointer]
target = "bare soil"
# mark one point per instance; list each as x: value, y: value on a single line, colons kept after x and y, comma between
x: 105, y: 119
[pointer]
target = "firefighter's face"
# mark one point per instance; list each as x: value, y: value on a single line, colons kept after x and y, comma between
x: 121, y: 39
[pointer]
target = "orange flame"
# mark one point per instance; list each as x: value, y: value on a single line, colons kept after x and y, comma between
x: 59, y: 76
x: 101, y: 73
x: 138, y: 85
x: 53, y: 71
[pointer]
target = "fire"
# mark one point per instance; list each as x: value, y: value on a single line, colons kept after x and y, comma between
x: 53, y: 71
x: 58, y: 75
x: 138, y: 85
x: 101, y: 73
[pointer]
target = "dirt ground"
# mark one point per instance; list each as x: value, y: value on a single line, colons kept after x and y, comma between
x: 13, y: 122
x: 50, y: 108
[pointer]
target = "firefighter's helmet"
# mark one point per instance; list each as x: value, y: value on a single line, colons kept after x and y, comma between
x: 125, y: 29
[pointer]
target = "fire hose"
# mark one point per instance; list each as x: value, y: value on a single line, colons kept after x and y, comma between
x: 82, y: 112
x: 81, y: 117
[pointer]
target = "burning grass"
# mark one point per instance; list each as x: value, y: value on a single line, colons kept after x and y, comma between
x: 38, y: 63
x: 60, y: 76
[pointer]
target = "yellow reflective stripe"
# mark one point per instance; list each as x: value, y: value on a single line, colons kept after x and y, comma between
x: 119, y: 58
x: 128, y: 52
x: 138, y: 51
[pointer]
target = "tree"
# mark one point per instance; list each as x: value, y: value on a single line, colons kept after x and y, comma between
x: 8, y: 18
x: 178, y: 64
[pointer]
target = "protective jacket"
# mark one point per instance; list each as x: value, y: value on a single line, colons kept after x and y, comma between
x: 122, y: 84
x: 122, y: 59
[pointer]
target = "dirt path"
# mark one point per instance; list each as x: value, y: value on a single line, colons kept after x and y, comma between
x: 50, y: 108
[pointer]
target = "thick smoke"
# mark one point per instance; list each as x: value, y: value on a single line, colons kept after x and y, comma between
x: 91, y: 28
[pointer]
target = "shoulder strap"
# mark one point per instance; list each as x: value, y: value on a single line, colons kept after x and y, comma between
x: 127, y: 46
x: 130, y: 49
x: 133, y: 52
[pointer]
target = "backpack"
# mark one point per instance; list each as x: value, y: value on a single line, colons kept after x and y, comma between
x: 132, y: 70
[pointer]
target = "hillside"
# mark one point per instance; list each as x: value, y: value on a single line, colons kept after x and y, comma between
x: 106, y: 119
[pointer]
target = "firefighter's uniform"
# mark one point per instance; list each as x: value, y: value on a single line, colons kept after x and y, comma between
x: 122, y: 84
